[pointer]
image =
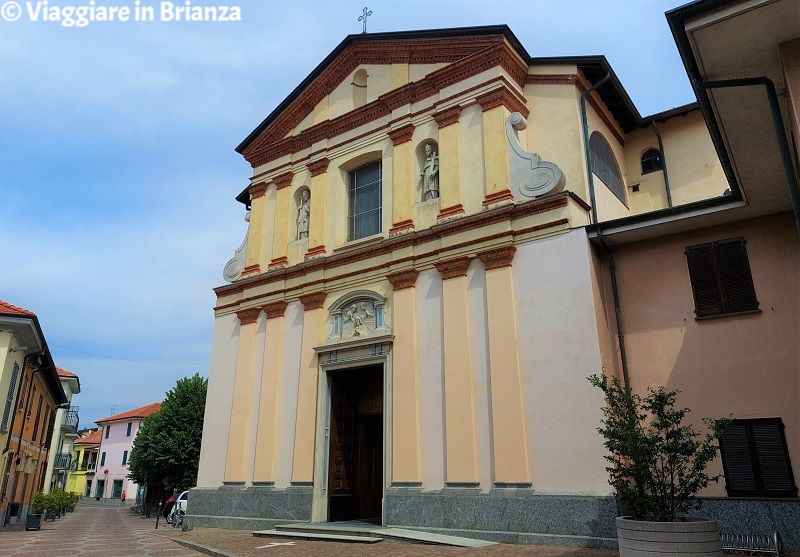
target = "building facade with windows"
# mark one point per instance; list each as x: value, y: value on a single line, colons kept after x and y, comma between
x: 33, y: 392
x: 117, y: 433
x: 446, y: 237
x: 85, y: 455
x: 65, y: 432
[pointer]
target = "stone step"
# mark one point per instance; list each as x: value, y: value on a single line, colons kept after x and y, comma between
x: 366, y: 529
x: 318, y: 536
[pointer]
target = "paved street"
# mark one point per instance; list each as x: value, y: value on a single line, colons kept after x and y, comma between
x: 102, y: 530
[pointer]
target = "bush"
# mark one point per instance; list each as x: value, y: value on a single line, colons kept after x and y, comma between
x: 658, y: 464
x: 39, y: 503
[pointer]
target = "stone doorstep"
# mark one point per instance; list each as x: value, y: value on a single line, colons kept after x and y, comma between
x: 317, y: 536
x: 355, y: 529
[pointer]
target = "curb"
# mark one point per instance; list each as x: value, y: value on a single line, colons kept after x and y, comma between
x: 202, y: 548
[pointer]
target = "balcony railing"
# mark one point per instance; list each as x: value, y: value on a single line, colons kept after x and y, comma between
x: 62, y: 461
x: 71, y: 419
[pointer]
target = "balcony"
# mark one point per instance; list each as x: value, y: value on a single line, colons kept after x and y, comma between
x: 70, y: 422
x: 62, y: 461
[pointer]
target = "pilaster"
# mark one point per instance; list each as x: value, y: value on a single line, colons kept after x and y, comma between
x: 403, y: 178
x: 283, y: 211
x: 451, y: 202
x: 255, y: 231
x: 319, y: 195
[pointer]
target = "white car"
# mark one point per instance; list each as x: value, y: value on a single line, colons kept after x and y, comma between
x: 179, y: 509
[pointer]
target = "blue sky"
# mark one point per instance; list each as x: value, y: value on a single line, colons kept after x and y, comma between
x: 118, y: 172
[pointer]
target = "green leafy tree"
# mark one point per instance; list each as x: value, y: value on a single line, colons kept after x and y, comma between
x: 166, y: 450
x: 658, y: 463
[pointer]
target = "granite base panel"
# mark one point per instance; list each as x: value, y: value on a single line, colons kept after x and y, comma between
x: 248, y: 507
x: 746, y: 515
x: 507, y: 515
x: 230, y: 522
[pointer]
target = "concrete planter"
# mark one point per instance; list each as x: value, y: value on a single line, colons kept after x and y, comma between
x: 33, y: 521
x: 693, y: 537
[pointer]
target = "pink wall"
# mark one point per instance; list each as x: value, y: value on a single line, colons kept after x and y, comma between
x: 114, y: 446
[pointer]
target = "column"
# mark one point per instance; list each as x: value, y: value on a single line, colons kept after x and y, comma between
x: 449, y: 163
x: 258, y: 204
x: 403, y: 179
x: 405, y: 385
x: 266, y: 438
x: 462, y: 469
x: 305, y: 429
x: 497, y: 105
x: 283, y: 211
x: 319, y: 195
x: 508, y: 418
x: 240, y: 408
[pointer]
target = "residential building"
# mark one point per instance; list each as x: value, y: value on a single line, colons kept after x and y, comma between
x: 33, y: 393
x: 65, y: 431
x: 85, y: 455
x: 117, y: 433
x: 447, y: 236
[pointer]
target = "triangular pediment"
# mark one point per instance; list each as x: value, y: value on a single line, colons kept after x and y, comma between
x: 431, y: 59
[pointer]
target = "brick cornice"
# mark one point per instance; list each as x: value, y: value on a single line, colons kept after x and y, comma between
x: 402, y: 134
x: 248, y: 316
x: 503, y: 97
x: 257, y: 190
x: 498, y: 197
x: 551, y: 79
x: 453, y: 268
x: 447, y: 117
x: 275, y: 309
x: 400, y: 280
x: 315, y: 300
x: 283, y: 180
x: 452, y: 211
x: 318, y: 167
x: 497, y: 257
x: 402, y: 226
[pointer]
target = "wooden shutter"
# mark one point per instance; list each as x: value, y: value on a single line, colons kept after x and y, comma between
x: 705, y: 286
x: 737, y: 462
x: 734, y: 270
x: 10, y: 398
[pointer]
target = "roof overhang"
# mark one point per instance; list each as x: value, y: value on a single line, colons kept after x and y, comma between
x: 734, y: 39
x: 26, y: 329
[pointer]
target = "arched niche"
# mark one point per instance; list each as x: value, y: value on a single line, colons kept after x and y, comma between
x: 421, y: 156
x: 297, y: 200
x: 356, y: 315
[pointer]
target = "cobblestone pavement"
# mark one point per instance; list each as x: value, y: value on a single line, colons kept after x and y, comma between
x: 92, y: 531
x: 243, y: 544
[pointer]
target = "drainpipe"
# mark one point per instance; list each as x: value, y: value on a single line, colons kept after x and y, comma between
x: 586, y: 143
x: 777, y: 122
x: 611, y: 265
x: 663, y: 165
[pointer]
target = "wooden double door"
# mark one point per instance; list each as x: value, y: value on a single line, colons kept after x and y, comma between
x: 355, y: 470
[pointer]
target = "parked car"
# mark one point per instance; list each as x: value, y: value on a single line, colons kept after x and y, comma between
x: 176, y: 508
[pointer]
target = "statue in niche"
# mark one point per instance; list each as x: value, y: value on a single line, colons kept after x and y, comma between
x: 430, y: 174
x: 303, y: 215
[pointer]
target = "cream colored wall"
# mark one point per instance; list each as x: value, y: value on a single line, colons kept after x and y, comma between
x: 743, y: 365
x: 287, y: 412
x: 693, y: 167
x: 218, y: 407
x: 559, y: 348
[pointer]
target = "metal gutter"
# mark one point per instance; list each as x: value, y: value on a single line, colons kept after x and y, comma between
x: 663, y: 165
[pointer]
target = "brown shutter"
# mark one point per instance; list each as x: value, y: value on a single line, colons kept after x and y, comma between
x: 773, y: 459
x: 735, y: 276
x: 705, y: 286
x: 740, y: 477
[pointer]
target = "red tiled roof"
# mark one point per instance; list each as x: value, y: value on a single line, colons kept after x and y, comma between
x: 89, y: 439
x: 7, y: 308
x: 142, y: 412
x: 64, y: 373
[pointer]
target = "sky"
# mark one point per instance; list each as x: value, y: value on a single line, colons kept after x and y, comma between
x: 117, y: 165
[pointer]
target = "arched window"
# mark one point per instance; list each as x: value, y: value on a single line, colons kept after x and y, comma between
x: 604, y: 165
x: 651, y: 161
x: 360, y: 88
x: 365, y: 201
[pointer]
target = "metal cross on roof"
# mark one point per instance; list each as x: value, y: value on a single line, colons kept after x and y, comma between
x: 364, y: 17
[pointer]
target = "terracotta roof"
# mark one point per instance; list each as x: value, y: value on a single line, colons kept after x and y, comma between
x: 142, y: 412
x: 89, y: 439
x: 64, y: 372
x: 7, y: 308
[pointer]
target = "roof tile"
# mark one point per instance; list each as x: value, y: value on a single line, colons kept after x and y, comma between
x: 141, y: 412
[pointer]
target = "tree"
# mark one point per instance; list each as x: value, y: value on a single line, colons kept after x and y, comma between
x: 166, y: 450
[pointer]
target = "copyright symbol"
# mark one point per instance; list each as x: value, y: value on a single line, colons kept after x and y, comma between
x: 11, y: 11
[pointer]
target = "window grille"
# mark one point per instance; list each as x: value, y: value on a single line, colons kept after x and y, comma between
x: 365, y: 201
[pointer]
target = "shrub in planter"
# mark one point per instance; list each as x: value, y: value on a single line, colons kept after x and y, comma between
x: 33, y: 521
x: 658, y: 464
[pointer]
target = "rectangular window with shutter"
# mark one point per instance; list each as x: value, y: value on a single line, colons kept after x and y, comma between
x: 755, y: 459
x: 721, y: 280
x: 10, y: 398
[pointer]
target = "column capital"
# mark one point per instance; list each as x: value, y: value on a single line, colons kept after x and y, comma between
x: 248, y: 316
x: 502, y: 97
x: 315, y: 300
x: 401, y: 280
x: 257, y: 190
x: 318, y: 167
x: 283, y: 180
x: 453, y: 268
x: 497, y: 257
x: 275, y: 309
x: 447, y: 117
x: 403, y: 134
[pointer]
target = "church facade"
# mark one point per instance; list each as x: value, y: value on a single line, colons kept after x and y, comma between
x: 427, y: 281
